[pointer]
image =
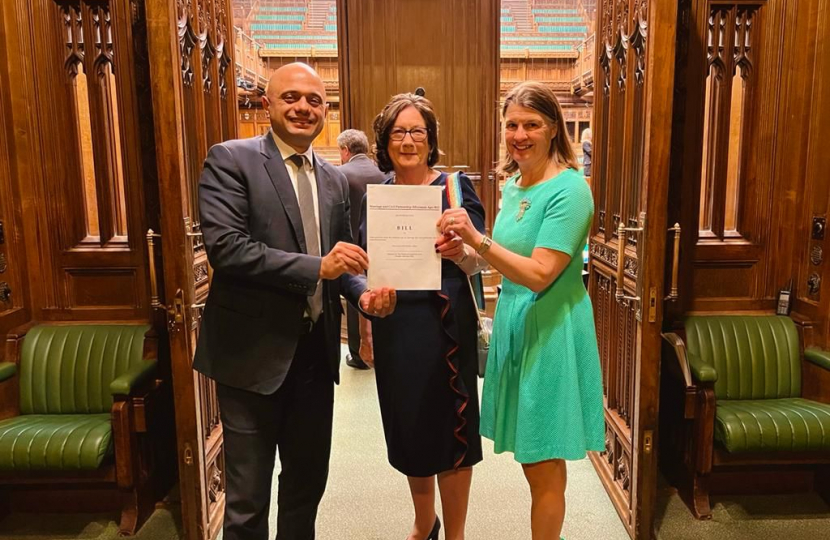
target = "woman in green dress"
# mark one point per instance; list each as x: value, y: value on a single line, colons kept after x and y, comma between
x: 542, y: 397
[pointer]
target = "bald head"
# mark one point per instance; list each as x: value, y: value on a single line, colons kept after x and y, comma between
x: 288, y: 72
x: 296, y: 102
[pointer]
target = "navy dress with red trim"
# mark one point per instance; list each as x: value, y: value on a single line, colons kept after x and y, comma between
x: 426, y: 367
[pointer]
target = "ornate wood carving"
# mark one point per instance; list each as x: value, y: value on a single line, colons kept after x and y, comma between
x: 187, y: 39
x: 222, y: 48
x: 77, y: 159
x: 605, y: 253
x: 607, y: 44
x: 621, y: 44
x: 206, y: 46
x: 743, y: 41
x: 623, y: 471
x: 610, y: 443
x: 729, y: 53
x: 200, y: 273
x: 102, y: 28
x: 73, y: 24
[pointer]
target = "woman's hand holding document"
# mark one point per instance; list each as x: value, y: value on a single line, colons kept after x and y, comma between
x: 400, y: 234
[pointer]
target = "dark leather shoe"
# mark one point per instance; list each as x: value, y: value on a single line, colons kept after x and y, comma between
x: 355, y: 363
x: 433, y: 535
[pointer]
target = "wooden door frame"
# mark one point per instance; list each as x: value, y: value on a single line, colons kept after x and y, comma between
x: 168, y: 110
x: 659, y: 108
x: 660, y: 62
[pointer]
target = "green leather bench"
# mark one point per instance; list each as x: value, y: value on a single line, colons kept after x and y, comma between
x: 82, y: 392
x: 743, y: 393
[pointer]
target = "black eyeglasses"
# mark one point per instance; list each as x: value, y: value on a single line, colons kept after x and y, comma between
x: 418, y: 134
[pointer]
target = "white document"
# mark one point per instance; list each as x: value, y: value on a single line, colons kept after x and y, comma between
x: 401, y: 232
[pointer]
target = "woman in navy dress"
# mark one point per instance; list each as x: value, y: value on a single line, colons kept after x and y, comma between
x: 424, y: 354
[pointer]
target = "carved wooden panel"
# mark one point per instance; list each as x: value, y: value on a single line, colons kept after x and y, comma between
x: 730, y: 82
x: 811, y: 253
x: 759, y: 181
x: 78, y: 160
x: 14, y: 297
x: 616, y: 326
x: 102, y: 288
x: 196, y: 110
x: 750, y: 189
x: 635, y: 55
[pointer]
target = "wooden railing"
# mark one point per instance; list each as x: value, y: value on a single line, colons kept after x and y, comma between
x: 249, y: 65
x: 583, y: 78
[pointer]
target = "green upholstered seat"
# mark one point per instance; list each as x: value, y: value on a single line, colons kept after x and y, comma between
x: 66, y: 376
x: 755, y: 364
x: 768, y: 425
x: 755, y: 357
x: 55, y: 442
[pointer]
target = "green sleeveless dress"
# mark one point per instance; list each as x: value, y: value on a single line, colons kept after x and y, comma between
x: 542, y: 396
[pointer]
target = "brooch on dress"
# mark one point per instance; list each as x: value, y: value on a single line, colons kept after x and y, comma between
x: 524, y: 205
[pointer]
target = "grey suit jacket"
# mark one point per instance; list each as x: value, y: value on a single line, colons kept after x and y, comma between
x: 262, y: 276
x: 360, y: 172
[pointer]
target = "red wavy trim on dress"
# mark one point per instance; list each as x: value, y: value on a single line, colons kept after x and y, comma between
x: 464, y: 398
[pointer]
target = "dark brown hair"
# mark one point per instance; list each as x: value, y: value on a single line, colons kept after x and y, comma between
x: 385, y: 121
x: 540, y: 98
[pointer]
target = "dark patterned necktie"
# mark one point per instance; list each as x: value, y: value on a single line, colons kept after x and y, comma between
x: 305, y: 198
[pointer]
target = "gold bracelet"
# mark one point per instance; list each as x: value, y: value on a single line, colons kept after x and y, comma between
x: 484, y: 245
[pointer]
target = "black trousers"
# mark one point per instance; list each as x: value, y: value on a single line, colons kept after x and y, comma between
x: 353, y: 326
x: 297, y: 420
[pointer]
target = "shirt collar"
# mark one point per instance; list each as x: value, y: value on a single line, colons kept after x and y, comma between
x: 286, y: 151
x: 357, y: 156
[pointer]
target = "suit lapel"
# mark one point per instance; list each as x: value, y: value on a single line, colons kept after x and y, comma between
x: 325, y: 197
x: 275, y: 167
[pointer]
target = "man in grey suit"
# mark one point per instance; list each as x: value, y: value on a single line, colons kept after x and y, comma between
x: 360, y: 171
x: 275, y: 220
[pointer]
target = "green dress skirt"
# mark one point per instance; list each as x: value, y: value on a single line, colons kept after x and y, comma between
x: 542, y: 396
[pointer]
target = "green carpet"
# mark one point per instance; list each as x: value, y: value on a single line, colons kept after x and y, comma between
x: 367, y: 500
x: 164, y: 524
x: 802, y: 516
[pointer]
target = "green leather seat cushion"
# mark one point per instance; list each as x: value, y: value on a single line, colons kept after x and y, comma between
x: 754, y: 357
x: 52, y: 442
x: 764, y: 425
x: 68, y: 369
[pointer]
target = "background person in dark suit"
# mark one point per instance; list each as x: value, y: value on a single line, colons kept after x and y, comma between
x: 275, y: 220
x: 360, y: 171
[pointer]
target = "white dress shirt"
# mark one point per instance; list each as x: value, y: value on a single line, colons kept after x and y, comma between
x: 286, y: 152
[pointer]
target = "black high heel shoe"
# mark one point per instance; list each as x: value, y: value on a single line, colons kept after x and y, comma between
x: 433, y: 534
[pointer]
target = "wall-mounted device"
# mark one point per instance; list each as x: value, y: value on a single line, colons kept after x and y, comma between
x: 816, y: 255
x: 785, y: 300
x: 814, y: 283
x: 819, y: 224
